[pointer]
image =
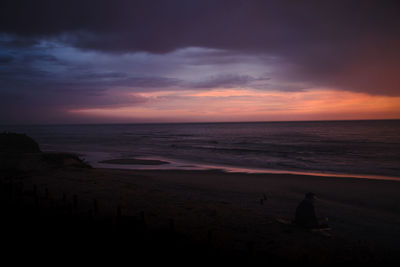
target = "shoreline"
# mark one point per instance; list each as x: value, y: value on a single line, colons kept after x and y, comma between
x: 159, y: 163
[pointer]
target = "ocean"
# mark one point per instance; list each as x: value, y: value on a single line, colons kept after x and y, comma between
x: 348, y: 148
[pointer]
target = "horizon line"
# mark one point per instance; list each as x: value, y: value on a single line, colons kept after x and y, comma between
x: 195, y: 122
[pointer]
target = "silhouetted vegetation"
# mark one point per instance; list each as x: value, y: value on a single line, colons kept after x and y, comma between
x: 64, y: 159
x: 18, y: 143
x: 19, y: 152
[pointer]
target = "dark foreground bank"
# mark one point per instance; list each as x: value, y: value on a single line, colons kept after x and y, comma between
x: 137, y: 216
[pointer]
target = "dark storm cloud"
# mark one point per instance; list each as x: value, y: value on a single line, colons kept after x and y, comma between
x: 161, y: 26
x: 351, y: 45
x: 227, y: 81
x: 20, y: 77
x: 39, y: 57
x: 16, y: 41
x: 43, y: 100
x: 4, y: 59
x: 36, y: 86
x: 213, y: 56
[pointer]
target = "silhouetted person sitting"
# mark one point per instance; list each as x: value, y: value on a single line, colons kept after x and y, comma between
x: 305, y: 213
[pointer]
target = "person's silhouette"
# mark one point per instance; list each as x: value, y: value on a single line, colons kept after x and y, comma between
x: 305, y: 213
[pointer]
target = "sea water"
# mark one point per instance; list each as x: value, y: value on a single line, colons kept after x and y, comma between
x: 324, y: 147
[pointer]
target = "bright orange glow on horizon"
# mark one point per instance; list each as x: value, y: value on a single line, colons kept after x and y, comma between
x: 250, y: 105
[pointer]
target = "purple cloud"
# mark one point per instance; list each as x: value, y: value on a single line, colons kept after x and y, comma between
x: 76, y: 49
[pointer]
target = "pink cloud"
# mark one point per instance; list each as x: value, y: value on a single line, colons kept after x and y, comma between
x: 251, y: 105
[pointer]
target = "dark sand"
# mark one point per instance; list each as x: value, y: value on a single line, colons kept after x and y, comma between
x: 229, y: 209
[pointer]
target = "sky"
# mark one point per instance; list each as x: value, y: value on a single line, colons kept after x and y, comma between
x: 126, y: 61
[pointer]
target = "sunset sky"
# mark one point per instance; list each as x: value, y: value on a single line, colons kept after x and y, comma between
x: 206, y: 60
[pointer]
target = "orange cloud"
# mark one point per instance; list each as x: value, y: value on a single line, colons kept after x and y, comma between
x: 252, y: 105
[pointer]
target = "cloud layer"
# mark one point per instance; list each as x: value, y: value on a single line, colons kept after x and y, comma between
x: 71, y: 54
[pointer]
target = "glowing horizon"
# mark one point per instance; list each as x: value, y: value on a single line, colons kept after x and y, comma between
x: 249, y: 105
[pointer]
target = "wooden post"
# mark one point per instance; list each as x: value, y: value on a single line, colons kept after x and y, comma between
x: 143, y: 219
x: 250, y: 248
x: 118, y: 220
x: 209, y: 236
x: 142, y: 216
x: 35, y: 195
x: 46, y: 193
x: 95, y: 207
x: 35, y: 190
x: 171, y: 225
x: 118, y: 217
x: 75, y: 202
x: 119, y: 212
x: 22, y: 187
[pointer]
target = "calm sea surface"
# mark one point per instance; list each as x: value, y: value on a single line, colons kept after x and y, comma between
x: 340, y: 147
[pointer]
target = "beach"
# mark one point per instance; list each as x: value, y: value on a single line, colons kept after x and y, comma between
x: 239, y: 211
x: 200, y: 133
